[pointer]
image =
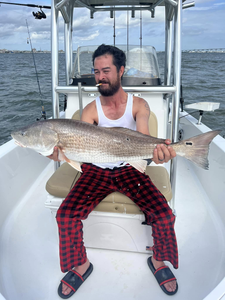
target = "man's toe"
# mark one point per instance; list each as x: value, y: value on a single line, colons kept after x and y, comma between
x: 65, y: 289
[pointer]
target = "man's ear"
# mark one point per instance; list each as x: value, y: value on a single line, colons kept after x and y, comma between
x: 121, y: 71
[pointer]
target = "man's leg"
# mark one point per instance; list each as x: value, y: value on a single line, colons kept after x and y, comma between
x: 141, y: 190
x: 88, y: 192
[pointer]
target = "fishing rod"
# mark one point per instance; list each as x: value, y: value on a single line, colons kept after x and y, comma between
x: 43, y: 113
x: 38, y: 15
x: 29, y: 5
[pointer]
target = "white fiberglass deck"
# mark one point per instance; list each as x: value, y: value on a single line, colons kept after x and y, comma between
x: 30, y: 264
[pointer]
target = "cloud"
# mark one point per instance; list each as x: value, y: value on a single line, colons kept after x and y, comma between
x: 90, y: 37
x: 218, y: 4
x: 202, y: 24
x: 81, y: 22
x: 44, y: 35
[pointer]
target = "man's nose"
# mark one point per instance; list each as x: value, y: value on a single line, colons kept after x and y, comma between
x: 101, y: 76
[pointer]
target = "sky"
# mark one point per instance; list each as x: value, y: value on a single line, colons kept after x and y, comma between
x: 203, y: 27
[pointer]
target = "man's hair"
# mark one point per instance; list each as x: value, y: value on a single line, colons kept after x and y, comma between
x: 119, y: 57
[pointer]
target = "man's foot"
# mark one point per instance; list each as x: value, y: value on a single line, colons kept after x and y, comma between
x: 81, y: 270
x: 165, y: 278
x: 169, y: 286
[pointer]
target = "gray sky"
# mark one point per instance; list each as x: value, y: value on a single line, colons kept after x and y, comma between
x: 203, y: 27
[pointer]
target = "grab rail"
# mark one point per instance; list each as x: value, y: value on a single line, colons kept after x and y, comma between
x: 154, y: 89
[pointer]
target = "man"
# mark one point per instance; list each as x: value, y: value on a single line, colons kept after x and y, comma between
x: 115, y: 108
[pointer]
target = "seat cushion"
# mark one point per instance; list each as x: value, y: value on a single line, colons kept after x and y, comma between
x: 64, y: 178
x: 62, y: 181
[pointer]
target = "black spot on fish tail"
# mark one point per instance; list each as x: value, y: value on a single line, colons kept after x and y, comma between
x: 198, y: 148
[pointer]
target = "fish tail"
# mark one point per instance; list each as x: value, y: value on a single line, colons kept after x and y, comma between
x: 197, y: 148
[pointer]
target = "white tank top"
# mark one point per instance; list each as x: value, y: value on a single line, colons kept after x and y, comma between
x: 126, y: 121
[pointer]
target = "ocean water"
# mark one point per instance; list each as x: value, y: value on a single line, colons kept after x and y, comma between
x: 203, y: 79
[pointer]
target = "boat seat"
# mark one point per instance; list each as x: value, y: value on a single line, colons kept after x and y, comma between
x: 64, y: 178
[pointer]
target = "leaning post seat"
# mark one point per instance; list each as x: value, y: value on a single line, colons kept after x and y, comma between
x: 64, y: 178
x: 116, y: 223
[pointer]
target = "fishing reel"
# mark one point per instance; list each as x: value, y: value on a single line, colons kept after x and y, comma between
x: 39, y: 15
x: 43, y: 115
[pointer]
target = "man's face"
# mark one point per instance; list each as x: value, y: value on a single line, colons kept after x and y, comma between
x: 106, y: 73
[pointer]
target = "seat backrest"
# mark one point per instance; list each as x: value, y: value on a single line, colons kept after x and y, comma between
x: 152, y: 122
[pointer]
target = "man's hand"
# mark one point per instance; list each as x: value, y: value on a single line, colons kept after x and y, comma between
x: 163, y: 154
x: 54, y: 155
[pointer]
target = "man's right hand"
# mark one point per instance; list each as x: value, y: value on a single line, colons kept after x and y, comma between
x: 54, y: 155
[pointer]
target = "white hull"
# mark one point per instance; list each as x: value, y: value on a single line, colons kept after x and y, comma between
x: 29, y: 247
x: 29, y: 259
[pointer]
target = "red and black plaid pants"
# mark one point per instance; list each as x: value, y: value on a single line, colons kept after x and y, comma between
x: 93, y: 186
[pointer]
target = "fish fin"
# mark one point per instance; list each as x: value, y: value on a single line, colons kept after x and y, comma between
x: 126, y: 131
x: 46, y: 153
x: 74, y: 164
x: 61, y: 155
x: 197, y: 148
x: 139, y: 165
x: 133, y: 133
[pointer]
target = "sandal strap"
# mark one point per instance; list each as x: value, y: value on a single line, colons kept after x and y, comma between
x: 164, y: 275
x: 70, y: 286
x: 73, y: 280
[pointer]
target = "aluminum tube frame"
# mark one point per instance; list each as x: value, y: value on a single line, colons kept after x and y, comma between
x: 80, y: 98
x: 176, y: 96
x: 171, y: 2
x: 55, y: 60
x: 64, y: 14
x: 187, y: 5
x: 68, y: 44
x: 156, y: 4
x: 100, y: 9
x: 55, y: 64
x: 168, y: 56
x: 154, y: 89
x: 168, y: 48
x: 177, y: 70
x: 60, y: 4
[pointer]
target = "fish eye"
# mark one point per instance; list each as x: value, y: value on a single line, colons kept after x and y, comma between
x: 23, y: 133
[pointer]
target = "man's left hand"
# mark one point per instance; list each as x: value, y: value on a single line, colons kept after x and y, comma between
x: 163, y: 153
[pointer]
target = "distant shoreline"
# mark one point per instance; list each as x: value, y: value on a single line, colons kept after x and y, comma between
x: 3, y: 51
x: 219, y: 50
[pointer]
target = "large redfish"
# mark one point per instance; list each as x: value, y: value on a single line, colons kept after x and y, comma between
x: 78, y: 141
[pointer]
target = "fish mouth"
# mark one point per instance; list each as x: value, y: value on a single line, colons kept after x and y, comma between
x: 19, y: 144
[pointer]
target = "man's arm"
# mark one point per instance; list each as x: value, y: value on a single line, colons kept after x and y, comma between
x: 161, y: 153
x: 90, y: 114
x: 142, y: 115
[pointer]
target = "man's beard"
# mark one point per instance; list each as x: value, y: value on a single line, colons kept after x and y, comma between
x: 112, y: 88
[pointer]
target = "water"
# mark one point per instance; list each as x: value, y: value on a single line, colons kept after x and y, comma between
x: 203, y: 79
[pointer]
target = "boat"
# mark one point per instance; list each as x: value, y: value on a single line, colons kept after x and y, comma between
x: 32, y: 186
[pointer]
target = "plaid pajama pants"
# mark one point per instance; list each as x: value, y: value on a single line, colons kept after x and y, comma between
x: 93, y: 186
